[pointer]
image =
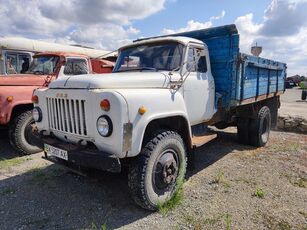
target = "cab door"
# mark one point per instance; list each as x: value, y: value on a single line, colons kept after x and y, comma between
x: 198, y: 88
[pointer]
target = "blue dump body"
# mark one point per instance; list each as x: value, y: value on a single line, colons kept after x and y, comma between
x: 239, y: 78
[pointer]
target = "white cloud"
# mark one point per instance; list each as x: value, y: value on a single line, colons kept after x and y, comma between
x: 219, y: 16
x: 104, y: 24
x: 194, y: 25
x: 282, y: 34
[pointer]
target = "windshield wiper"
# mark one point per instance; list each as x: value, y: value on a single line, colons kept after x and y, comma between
x: 138, y: 69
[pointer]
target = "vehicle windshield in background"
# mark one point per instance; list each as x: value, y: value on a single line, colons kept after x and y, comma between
x: 43, y: 65
x: 157, y: 56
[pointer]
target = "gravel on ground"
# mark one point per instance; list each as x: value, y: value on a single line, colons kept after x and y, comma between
x: 232, y: 186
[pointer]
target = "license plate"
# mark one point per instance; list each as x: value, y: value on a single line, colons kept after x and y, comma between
x: 53, y: 151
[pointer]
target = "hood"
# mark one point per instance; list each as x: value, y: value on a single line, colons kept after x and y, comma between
x: 143, y: 79
x: 23, y: 80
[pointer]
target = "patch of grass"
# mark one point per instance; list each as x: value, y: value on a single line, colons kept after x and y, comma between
x: 220, y: 179
x: 228, y: 221
x: 301, y: 182
x: 297, y: 181
x: 304, y: 214
x: 175, y: 200
x: 38, y: 176
x: 8, y: 163
x: 198, y: 222
x: 259, y: 193
x: 102, y: 227
x: 272, y: 223
x: 213, y: 220
x: 288, y: 146
x: 7, y: 191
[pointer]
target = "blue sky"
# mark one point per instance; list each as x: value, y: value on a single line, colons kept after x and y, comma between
x: 177, y: 13
x: 280, y: 26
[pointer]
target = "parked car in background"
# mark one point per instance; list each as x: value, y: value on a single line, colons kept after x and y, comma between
x: 16, y: 53
x: 16, y: 90
x: 156, y: 107
x: 289, y: 83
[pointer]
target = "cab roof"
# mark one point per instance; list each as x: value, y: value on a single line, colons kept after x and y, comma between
x: 64, y: 54
x: 179, y: 39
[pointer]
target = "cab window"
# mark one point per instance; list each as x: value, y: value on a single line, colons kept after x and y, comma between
x: 17, y: 63
x: 195, y: 62
x: 191, y: 65
x: 76, y: 66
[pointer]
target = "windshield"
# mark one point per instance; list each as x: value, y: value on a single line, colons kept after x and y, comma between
x: 43, y: 65
x: 156, y: 56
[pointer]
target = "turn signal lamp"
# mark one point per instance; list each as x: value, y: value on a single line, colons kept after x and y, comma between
x: 9, y: 98
x: 35, y: 99
x: 142, y: 110
x: 105, y: 105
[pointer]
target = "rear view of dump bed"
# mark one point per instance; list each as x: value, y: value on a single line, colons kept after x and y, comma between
x: 239, y: 78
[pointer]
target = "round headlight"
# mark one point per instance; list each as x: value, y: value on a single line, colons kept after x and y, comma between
x: 104, y: 126
x: 37, y: 114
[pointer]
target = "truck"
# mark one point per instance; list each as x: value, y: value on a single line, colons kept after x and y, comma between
x: 158, y: 105
x: 16, y: 91
x: 16, y: 53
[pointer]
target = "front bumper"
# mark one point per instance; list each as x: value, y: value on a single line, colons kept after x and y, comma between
x: 79, y: 155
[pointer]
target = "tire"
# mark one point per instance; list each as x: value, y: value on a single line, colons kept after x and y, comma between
x: 243, y: 130
x: 304, y: 95
x: 259, y: 129
x: 149, y: 189
x: 18, y: 130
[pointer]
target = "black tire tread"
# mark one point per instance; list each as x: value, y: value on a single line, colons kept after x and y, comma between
x: 15, y: 132
x: 137, y: 170
x: 254, y: 137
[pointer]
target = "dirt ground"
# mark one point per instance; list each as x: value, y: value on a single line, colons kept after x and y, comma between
x: 231, y: 187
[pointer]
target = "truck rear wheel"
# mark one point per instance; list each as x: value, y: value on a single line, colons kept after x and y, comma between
x: 18, y: 133
x: 304, y: 95
x: 259, y: 129
x: 157, y: 171
x: 243, y: 130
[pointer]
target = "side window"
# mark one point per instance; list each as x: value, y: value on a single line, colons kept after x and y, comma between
x: 75, y: 66
x: 11, y: 63
x: 202, y: 64
x: 191, y: 65
x: 23, y: 63
x: 17, y: 63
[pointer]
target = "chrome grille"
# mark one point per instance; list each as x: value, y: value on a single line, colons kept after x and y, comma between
x: 67, y: 115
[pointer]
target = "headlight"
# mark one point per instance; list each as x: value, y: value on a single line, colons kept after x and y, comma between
x: 104, y: 126
x: 37, y: 114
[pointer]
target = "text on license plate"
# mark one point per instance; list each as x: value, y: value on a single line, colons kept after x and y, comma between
x: 53, y: 151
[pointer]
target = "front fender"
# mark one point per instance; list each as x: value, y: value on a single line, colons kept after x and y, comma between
x: 21, y: 97
x: 159, y: 103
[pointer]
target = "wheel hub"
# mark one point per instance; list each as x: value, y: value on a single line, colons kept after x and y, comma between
x: 166, y: 170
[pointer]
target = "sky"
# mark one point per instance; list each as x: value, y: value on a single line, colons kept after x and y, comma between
x: 279, y: 26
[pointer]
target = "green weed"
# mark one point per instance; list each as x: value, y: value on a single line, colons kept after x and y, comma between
x: 259, y: 193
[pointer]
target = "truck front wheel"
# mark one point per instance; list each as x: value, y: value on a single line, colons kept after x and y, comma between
x: 158, y: 170
x: 260, y: 127
x: 18, y: 133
